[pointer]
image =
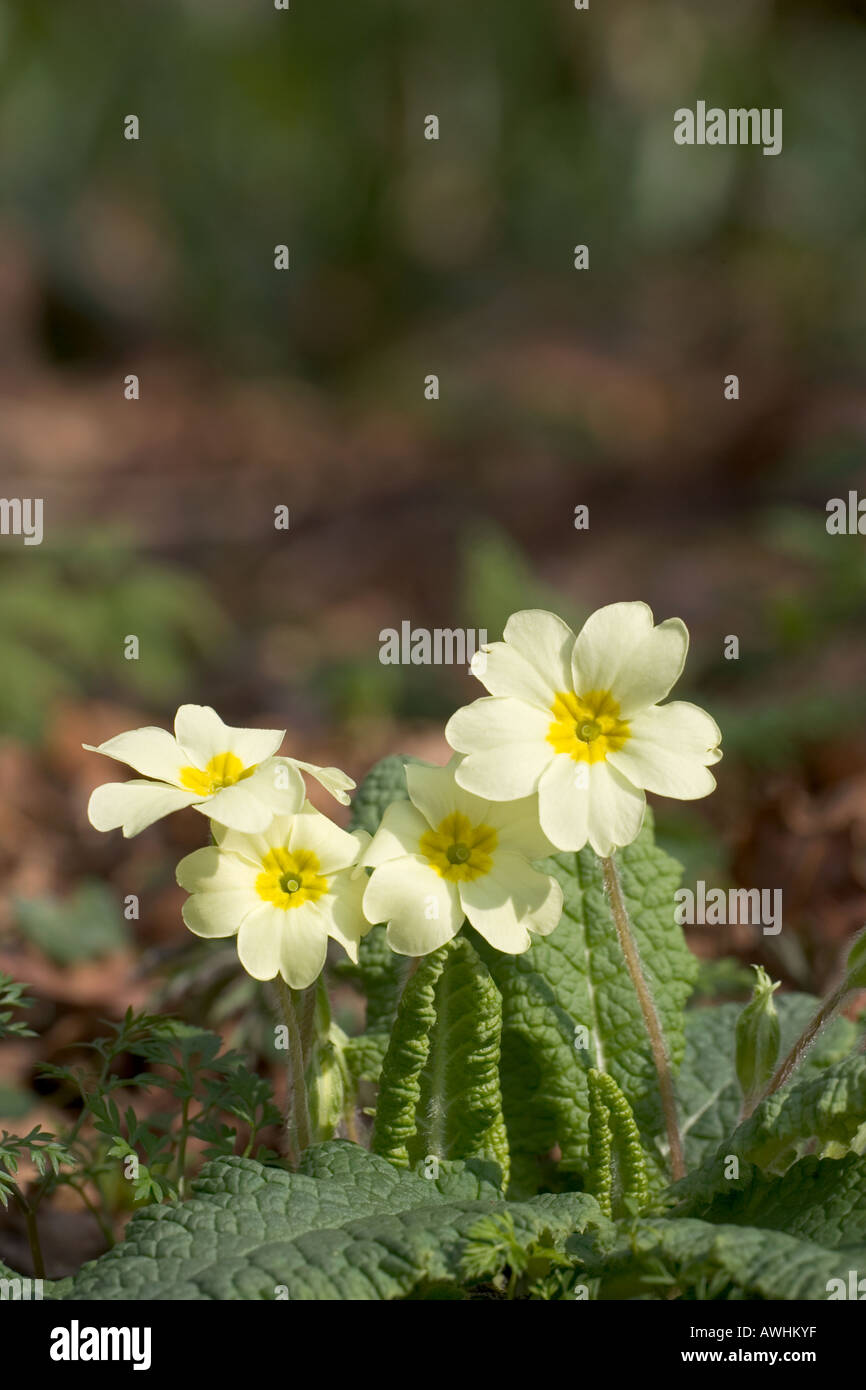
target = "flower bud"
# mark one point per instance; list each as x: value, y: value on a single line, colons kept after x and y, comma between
x: 855, y: 971
x: 757, y: 1037
x: 327, y: 1085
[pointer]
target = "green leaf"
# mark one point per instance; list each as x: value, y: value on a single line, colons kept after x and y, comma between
x: 439, y: 1090
x: 828, y: 1106
x: 693, y: 1255
x: 349, y: 1226
x: 574, y: 980
x: 707, y: 1089
x: 819, y: 1199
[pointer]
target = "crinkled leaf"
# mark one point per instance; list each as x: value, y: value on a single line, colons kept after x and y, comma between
x: 576, y: 978
x: 829, y: 1106
x: 757, y: 1263
x: 350, y: 1226
x: 819, y: 1199
x: 439, y: 1088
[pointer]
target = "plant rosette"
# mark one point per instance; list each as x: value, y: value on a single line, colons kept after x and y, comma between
x: 445, y: 855
x: 578, y: 720
x: 230, y: 775
x: 283, y: 892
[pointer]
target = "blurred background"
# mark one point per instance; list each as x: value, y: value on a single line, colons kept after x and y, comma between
x: 305, y: 388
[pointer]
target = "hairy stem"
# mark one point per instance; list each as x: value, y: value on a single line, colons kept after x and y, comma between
x: 628, y: 945
x: 298, y: 1110
x: 786, y: 1069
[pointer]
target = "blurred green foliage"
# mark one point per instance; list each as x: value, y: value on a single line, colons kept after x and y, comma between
x: 64, y: 618
x: 305, y: 127
x: 86, y: 925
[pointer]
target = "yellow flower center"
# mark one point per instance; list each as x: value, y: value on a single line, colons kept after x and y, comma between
x: 458, y: 850
x: 587, y: 727
x: 290, y: 878
x: 223, y: 770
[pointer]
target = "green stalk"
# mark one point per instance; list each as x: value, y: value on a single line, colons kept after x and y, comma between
x: 297, y: 1108
x: 658, y: 1047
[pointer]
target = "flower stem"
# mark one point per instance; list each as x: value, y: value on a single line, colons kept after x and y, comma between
x: 298, y: 1111
x: 658, y: 1047
x: 786, y: 1069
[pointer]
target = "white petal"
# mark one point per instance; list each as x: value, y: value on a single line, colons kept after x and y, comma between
x: 259, y: 941
x: 331, y: 778
x: 204, y: 735
x: 278, y: 784
x: 342, y: 909
x: 238, y: 807
x: 563, y: 803
x: 151, y: 751
x: 223, y: 889
x: 616, y: 809
x: 401, y: 828
x: 546, y: 918
x: 504, y: 671
x: 506, y: 744
x: 518, y: 827
x: 668, y: 751
x: 421, y: 908
x: 546, y: 642
x: 619, y: 650
x: 436, y: 794
x: 214, y: 870
x: 536, y: 900
x: 134, y: 805
x: 494, y: 914
x: 303, y: 945
x: 334, y: 848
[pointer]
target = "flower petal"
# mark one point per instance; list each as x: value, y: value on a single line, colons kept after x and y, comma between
x: 510, y: 901
x: 546, y: 642
x: 616, y: 809
x: 619, y: 650
x: 517, y: 827
x: 203, y: 734
x: 151, y: 751
x: 400, y: 830
x: 238, y: 807
x: 331, y: 778
x: 421, y: 908
x: 563, y: 802
x: 303, y: 946
x: 342, y: 909
x: 668, y: 751
x: 134, y: 805
x: 259, y: 941
x: 436, y: 794
x: 494, y: 914
x: 223, y: 891
x: 334, y: 848
x: 505, y: 671
x: 278, y: 784
x: 506, y: 744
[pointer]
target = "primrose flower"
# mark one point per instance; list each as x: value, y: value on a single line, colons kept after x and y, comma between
x: 230, y: 775
x: 445, y: 854
x: 283, y: 892
x: 578, y: 720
